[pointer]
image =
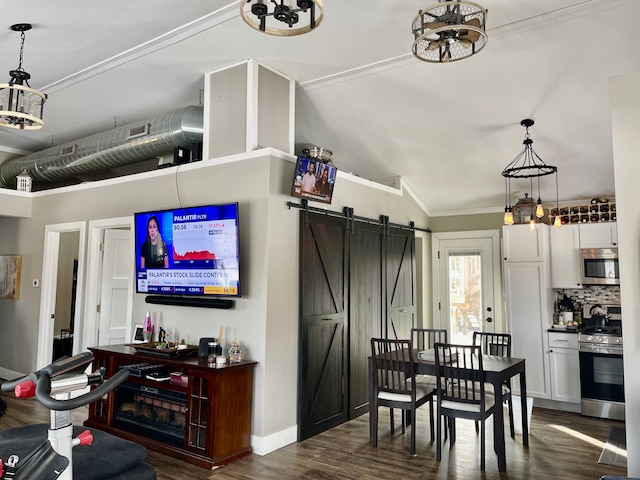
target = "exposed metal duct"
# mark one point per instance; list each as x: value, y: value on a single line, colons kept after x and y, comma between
x: 142, y: 140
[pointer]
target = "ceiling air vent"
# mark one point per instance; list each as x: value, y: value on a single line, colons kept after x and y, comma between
x: 139, y: 131
x: 68, y: 150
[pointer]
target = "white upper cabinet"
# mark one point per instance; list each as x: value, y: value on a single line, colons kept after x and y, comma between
x: 520, y: 244
x: 599, y: 235
x: 564, y: 244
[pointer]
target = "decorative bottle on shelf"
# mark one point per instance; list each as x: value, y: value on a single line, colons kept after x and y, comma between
x: 147, y: 327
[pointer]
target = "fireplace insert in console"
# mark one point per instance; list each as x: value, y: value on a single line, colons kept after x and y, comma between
x: 152, y: 412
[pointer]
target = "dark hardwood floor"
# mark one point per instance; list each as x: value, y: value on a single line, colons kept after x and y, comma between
x: 561, y: 445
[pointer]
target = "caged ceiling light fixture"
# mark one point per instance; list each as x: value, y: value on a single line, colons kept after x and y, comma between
x: 20, y: 105
x: 449, y: 31
x: 284, y: 18
x: 528, y: 165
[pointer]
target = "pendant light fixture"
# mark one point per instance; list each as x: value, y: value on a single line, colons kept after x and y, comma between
x: 20, y: 105
x: 449, y: 31
x: 528, y: 165
x: 284, y: 18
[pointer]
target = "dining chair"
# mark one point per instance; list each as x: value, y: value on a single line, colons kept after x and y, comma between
x: 461, y: 392
x: 498, y: 344
x: 425, y: 339
x: 394, y: 384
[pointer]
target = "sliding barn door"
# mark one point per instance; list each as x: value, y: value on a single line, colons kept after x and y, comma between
x: 323, y: 332
x: 356, y: 282
x: 365, y: 309
x: 399, y: 280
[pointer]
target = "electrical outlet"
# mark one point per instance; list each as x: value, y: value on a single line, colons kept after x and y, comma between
x: 36, y: 283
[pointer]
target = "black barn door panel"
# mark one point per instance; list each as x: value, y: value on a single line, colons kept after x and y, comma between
x: 400, y: 282
x: 323, y: 350
x: 365, y: 310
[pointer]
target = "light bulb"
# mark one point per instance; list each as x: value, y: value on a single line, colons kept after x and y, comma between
x: 557, y: 222
x: 532, y: 224
x: 508, y: 216
x: 539, y: 209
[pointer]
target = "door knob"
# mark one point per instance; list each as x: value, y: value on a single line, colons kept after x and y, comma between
x: 489, y: 319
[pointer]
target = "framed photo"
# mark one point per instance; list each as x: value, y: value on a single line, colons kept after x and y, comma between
x: 10, y: 271
x: 138, y: 336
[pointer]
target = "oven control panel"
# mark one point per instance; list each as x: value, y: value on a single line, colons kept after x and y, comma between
x: 601, y: 339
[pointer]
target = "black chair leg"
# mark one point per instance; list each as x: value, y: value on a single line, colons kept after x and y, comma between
x: 439, y: 436
x: 452, y: 427
x: 482, y: 446
x: 431, y: 426
x: 413, y: 438
x: 511, y: 425
x: 392, y: 423
x: 373, y: 418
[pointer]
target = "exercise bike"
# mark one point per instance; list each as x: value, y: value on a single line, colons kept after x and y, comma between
x: 24, y: 456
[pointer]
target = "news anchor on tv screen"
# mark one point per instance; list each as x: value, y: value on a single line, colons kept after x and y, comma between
x: 153, y: 252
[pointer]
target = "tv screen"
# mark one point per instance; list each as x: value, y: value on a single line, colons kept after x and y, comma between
x: 314, y: 180
x: 188, y: 251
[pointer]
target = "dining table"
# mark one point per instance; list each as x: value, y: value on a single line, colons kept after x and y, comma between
x: 497, y: 370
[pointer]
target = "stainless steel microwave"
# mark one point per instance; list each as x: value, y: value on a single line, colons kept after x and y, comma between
x: 599, y: 266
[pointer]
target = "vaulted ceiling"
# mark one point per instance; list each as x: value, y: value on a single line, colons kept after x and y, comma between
x: 447, y: 129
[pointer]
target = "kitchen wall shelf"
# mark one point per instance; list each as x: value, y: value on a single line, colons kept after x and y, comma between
x: 585, y: 211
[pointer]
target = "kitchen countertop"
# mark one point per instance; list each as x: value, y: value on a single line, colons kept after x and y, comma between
x: 563, y: 329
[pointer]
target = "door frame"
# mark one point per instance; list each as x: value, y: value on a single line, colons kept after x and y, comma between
x: 94, y: 277
x: 494, y: 236
x: 49, y: 283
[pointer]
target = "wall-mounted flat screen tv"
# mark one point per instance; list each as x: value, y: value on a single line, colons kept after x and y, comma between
x: 314, y: 180
x: 188, y: 251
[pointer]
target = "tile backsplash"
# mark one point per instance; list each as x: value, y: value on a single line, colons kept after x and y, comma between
x: 591, y: 294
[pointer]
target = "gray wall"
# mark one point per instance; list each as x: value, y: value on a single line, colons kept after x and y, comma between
x: 264, y: 320
x: 461, y: 223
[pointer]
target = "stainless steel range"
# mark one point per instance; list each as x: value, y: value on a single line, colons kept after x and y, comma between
x: 601, y: 365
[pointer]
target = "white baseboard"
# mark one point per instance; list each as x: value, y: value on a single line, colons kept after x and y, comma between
x: 264, y: 445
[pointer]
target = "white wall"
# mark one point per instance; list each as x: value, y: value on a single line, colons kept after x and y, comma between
x: 625, y: 111
x: 264, y: 320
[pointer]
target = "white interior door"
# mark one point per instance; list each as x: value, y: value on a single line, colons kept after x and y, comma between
x: 466, y: 282
x: 49, y: 283
x: 117, y: 269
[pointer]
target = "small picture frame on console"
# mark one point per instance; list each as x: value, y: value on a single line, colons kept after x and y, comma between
x: 138, y: 335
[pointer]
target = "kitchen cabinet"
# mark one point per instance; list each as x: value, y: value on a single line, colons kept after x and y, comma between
x: 599, y: 235
x: 520, y: 244
x: 564, y: 247
x: 529, y: 315
x: 529, y: 304
x: 564, y: 366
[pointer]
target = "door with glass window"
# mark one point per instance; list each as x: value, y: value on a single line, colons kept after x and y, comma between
x: 466, y: 284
